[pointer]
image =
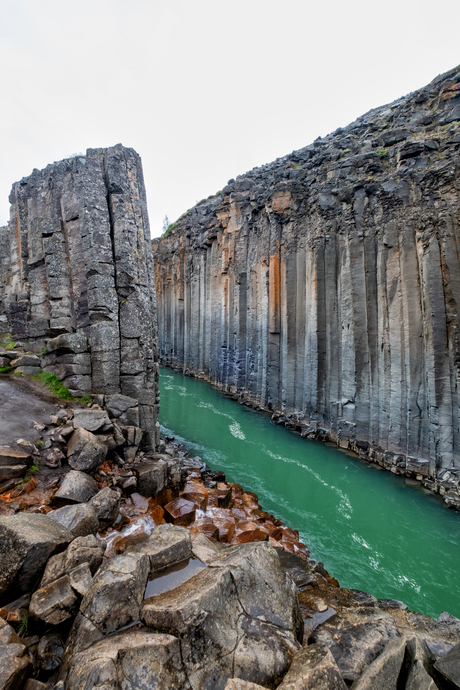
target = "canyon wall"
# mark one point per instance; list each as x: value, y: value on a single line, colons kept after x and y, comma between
x: 325, y: 286
x: 76, y: 265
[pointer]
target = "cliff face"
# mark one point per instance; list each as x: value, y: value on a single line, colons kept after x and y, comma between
x: 326, y: 285
x: 76, y: 259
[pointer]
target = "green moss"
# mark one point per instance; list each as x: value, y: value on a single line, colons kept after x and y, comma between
x: 86, y: 399
x: 9, y: 345
x: 382, y: 153
x: 5, y: 370
x: 52, y: 382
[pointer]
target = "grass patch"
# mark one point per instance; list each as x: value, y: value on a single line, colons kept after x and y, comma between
x: 5, y: 370
x: 382, y: 153
x: 9, y: 345
x: 52, y: 382
x: 57, y: 387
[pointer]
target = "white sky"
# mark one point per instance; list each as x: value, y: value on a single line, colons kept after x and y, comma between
x: 203, y: 90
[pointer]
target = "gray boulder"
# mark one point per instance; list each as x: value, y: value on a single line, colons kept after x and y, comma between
x: 151, y: 477
x: 449, y: 666
x: 130, y: 660
x: 83, y: 550
x: 81, y: 579
x: 79, y: 518
x: 238, y: 684
x: 355, y: 637
x: 10, y: 456
x: 91, y: 420
x: 117, y: 592
x: 77, y: 487
x: 225, y: 625
x: 49, y: 651
x: 85, y: 452
x: 167, y: 545
x: 26, y: 542
x: 68, y: 342
x: 26, y: 361
x: 106, y: 505
x: 116, y: 404
x: 314, y: 668
x: 54, y: 603
x: 384, y: 672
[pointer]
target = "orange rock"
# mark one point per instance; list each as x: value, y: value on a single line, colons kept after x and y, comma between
x: 200, y: 500
x: 157, y: 515
x: 140, y: 502
x: 226, y: 527
x: 205, y: 526
x: 180, y: 512
x: 249, y: 536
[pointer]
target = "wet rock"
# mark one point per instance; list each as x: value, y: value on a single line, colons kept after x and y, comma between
x: 139, y: 659
x: 90, y: 420
x: 80, y: 519
x: 180, y: 512
x: 387, y: 604
x: 356, y: 636
x: 49, y: 651
x: 54, y: 603
x: 117, y: 591
x: 106, y: 504
x: 384, y: 672
x: 313, y: 668
x: 84, y: 451
x: 77, y: 487
x: 449, y: 666
x: 168, y: 544
x: 204, y: 549
x: 26, y: 542
x: 14, y: 667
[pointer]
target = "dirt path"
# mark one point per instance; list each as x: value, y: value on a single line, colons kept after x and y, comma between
x: 22, y: 401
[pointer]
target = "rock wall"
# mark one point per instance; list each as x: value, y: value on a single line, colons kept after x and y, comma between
x: 76, y: 267
x: 326, y: 286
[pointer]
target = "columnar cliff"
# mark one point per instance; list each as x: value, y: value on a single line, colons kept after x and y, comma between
x: 76, y: 262
x: 326, y: 286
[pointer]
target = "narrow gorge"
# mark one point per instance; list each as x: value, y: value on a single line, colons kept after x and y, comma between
x: 325, y: 287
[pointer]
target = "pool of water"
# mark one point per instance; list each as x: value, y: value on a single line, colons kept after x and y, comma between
x: 373, y: 531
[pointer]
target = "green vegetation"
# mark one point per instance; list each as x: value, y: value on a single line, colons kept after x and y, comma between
x: 52, y: 382
x: 218, y: 192
x: 382, y: 153
x: 172, y: 226
x: 5, y: 370
x: 23, y: 626
x: 9, y: 345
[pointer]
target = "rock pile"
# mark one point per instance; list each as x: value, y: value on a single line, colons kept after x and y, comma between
x: 135, y: 569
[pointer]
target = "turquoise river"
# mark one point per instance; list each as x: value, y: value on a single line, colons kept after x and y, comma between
x: 373, y: 531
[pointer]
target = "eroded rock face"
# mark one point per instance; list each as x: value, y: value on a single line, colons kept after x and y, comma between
x: 77, y: 269
x: 326, y: 286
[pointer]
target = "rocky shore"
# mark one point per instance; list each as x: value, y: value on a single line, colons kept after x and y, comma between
x: 124, y: 568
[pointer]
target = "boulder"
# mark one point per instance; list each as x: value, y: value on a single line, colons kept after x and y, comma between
x: 355, y: 637
x: 81, y: 550
x: 220, y: 635
x: 116, y: 404
x: 10, y: 456
x: 151, y: 477
x: 54, y: 603
x: 314, y: 668
x: 8, y: 472
x: 26, y: 542
x: 180, y: 512
x: 106, y: 505
x: 81, y: 579
x: 117, y: 592
x: 26, y: 361
x: 85, y: 452
x: 419, y: 661
x: 14, y: 666
x: 79, y: 518
x: 167, y: 545
x: 77, y: 487
x: 129, y: 660
x: 383, y: 673
x: 449, y: 666
x: 68, y: 342
x: 7, y: 634
x: 49, y: 651
x: 90, y: 420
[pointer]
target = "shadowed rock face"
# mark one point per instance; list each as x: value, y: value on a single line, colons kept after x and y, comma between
x: 326, y: 285
x: 76, y: 267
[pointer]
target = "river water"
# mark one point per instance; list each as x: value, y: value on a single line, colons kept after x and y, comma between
x: 373, y: 531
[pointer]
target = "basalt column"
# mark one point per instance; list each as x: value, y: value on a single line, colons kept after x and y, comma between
x: 76, y: 260
x: 326, y: 285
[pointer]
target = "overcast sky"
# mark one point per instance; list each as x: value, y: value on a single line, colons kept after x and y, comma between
x: 203, y: 90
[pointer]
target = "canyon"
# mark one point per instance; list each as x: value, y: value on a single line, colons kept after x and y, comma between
x: 325, y: 287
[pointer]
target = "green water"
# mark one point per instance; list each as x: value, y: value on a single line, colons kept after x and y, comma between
x: 373, y: 531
